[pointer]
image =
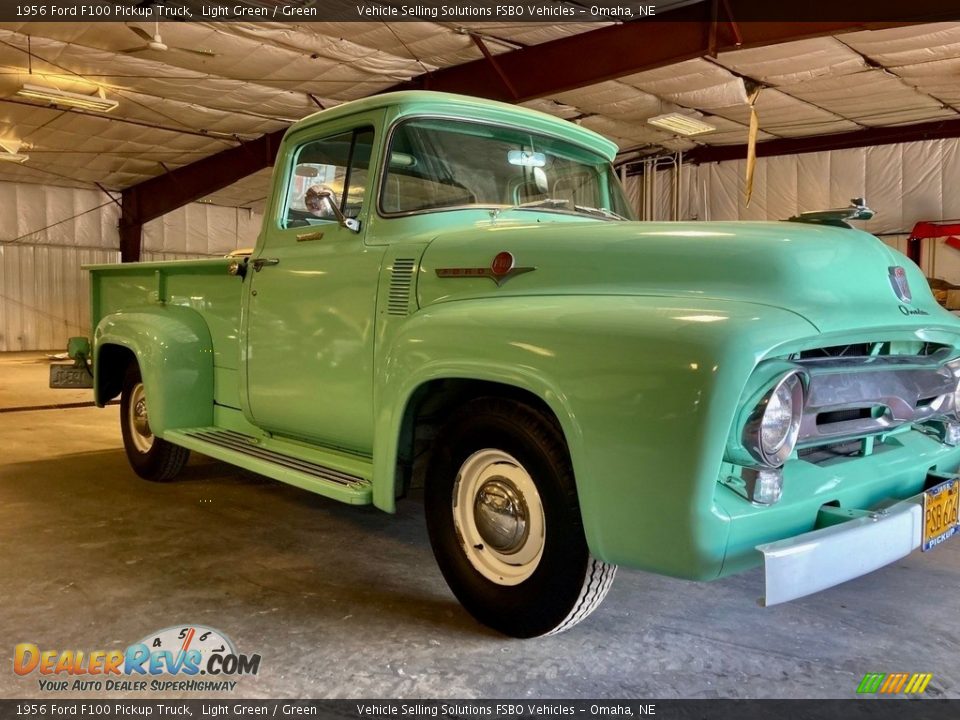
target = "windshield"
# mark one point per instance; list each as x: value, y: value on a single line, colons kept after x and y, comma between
x: 437, y: 164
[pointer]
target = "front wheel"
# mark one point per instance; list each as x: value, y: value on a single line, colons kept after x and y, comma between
x: 150, y: 457
x: 504, y: 521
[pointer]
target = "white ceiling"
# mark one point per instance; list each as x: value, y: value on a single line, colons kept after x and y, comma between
x: 176, y: 107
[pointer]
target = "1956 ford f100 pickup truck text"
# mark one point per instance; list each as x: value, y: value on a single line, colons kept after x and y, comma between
x: 450, y: 292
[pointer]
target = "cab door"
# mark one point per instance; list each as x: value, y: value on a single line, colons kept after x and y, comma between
x: 311, y: 304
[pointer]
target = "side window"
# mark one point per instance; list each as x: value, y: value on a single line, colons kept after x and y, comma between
x: 327, y: 173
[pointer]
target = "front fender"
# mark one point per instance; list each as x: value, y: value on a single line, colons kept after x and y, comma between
x: 645, y: 390
x: 429, y: 348
x: 173, y: 347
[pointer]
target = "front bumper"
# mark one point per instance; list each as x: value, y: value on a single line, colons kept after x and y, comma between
x: 820, y: 559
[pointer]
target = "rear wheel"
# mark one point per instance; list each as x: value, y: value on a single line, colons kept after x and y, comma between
x: 504, y: 521
x: 150, y: 457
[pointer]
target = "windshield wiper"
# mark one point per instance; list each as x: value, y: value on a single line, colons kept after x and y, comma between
x: 544, y: 203
x: 602, y: 212
x: 565, y: 203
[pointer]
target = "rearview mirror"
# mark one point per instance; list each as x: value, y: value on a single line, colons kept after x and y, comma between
x: 526, y: 158
x: 307, y: 171
x: 399, y: 159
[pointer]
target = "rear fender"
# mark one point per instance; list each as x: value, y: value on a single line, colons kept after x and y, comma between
x: 173, y: 348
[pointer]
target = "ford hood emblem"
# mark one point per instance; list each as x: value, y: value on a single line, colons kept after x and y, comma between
x: 898, y: 280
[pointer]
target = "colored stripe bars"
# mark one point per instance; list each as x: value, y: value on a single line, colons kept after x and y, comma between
x: 894, y: 683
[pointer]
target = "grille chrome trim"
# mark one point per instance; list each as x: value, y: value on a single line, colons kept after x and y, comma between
x: 897, y: 389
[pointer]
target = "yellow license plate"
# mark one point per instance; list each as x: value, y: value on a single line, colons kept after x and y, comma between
x: 941, y: 513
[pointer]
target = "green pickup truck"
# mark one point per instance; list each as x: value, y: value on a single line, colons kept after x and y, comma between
x: 452, y: 294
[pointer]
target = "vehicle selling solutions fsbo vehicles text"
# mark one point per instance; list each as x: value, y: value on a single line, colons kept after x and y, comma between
x: 501, y: 11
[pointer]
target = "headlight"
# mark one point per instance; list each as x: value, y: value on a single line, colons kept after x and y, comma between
x: 771, y: 432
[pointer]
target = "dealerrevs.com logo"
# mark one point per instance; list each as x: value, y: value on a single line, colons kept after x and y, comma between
x: 182, y: 658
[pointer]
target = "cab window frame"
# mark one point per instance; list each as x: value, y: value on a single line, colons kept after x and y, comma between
x: 283, y: 219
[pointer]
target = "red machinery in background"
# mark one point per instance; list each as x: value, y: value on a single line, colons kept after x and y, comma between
x: 925, y: 230
x: 946, y: 293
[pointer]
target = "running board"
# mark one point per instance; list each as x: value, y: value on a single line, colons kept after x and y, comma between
x: 262, y: 456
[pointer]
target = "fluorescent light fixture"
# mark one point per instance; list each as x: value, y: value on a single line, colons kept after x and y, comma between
x: 11, y: 150
x: 62, y: 98
x: 681, y: 124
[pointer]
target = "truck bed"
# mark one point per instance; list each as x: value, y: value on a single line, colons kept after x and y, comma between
x: 204, y: 286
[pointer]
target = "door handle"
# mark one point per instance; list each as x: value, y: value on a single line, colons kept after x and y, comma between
x: 259, y: 263
x: 315, y: 235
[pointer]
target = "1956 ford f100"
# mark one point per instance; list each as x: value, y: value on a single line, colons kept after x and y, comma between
x: 451, y: 292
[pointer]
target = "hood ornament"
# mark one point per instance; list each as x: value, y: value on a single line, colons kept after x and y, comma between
x: 899, y: 283
x: 837, y: 217
x: 502, y: 268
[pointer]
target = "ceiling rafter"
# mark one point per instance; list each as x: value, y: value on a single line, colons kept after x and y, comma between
x: 127, y: 94
x: 768, y: 86
x: 100, y: 79
x: 837, y: 141
x: 874, y: 64
x: 478, y: 41
x: 615, y: 51
x: 208, y: 134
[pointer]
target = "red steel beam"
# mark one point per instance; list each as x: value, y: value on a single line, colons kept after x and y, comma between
x: 157, y: 196
x: 152, y: 198
x: 615, y: 51
x: 837, y: 141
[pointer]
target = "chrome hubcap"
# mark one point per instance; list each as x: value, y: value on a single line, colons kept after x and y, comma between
x: 140, y: 433
x: 501, y: 515
x: 498, y: 516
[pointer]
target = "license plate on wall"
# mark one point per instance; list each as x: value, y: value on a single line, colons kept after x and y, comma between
x: 70, y: 377
x: 941, y: 513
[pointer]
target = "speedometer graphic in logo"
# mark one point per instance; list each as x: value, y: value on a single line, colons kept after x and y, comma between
x: 184, y: 638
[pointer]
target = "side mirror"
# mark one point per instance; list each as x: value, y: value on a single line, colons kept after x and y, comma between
x: 349, y: 223
x: 238, y: 268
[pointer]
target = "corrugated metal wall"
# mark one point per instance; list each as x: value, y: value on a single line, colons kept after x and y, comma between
x: 200, y: 230
x: 47, y: 234
x: 653, y: 192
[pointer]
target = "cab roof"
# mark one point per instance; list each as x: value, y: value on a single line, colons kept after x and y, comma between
x: 424, y: 102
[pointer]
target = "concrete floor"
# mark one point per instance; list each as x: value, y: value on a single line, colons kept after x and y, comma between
x: 347, y: 602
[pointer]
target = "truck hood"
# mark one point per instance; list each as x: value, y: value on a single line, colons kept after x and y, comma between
x: 837, y: 279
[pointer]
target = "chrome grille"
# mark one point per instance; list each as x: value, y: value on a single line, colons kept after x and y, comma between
x: 866, y: 349
x: 848, y: 397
